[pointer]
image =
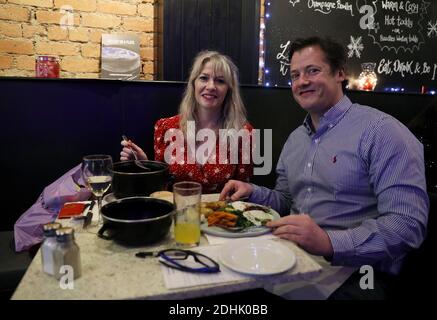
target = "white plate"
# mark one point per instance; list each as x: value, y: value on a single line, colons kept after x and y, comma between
x: 257, y: 256
x: 249, y: 232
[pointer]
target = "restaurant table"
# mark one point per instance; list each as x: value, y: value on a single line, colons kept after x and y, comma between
x: 112, y: 271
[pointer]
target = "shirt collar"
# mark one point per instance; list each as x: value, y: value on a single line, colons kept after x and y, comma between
x: 331, y: 117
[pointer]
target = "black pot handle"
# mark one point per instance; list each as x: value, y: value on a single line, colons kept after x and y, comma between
x: 170, y: 182
x: 101, y: 234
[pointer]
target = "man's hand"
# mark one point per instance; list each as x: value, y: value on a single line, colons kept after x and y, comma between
x: 302, y: 230
x: 235, y: 190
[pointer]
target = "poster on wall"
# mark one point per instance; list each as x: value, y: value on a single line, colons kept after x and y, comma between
x: 120, y: 57
x: 392, y: 43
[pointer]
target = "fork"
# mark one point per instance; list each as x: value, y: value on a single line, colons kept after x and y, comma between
x: 137, y: 162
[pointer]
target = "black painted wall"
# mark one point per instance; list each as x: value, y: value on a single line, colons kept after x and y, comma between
x: 49, y: 124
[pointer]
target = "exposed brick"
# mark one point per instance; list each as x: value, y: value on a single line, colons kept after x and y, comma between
x: 96, y: 35
x: 149, y: 77
x: 138, y: 24
x: 16, y: 46
x: 146, y: 10
x: 100, y: 21
x: 147, y: 53
x: 148, y: 67
x: 53, y: 17
x: 116, y: 7
x: 10, y: 29
x: 91, y: 50
x: 56, y: 48
x: 78, y: 64
x: 30, y: 31
x: 77, y: 5
x: 80, y: 75
x: 146, y: 39
x: 78, y: 34
x: 57, y: 33
x: 16, y: 73
x: 14, y: 13
x: 25, y: 62
x: 5, y: 62
x: 35, y: 3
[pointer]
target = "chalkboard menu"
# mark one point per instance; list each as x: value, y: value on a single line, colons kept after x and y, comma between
x: 397, y: 39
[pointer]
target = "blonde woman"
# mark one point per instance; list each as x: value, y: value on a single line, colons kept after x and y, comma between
x: 211, y: 101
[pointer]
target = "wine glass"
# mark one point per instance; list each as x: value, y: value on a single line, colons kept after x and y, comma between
x: 97, y: 174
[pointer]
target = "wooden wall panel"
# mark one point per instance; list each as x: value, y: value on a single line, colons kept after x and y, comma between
x: 228, y: 26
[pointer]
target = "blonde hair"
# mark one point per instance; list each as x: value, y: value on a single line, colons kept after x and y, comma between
x: 233, y: 112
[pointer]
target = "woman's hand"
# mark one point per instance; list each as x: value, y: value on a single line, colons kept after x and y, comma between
x: 304, y: 231
x: 127, y: 152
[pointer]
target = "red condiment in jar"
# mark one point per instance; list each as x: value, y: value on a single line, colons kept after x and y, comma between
x: 46, y: 67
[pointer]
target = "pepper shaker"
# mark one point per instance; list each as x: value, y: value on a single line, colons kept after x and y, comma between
x: 67, y: 253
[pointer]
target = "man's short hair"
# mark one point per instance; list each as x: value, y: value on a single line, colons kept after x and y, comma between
x: 335, y: 53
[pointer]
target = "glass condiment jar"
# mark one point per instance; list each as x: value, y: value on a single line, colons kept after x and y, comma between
x: 367, y: 79
x: 67, y: 253
x: 48, y: 247
x: 46, y: 67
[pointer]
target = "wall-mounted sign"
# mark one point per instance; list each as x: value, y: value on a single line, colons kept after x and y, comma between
x: 398, y: 37
x: 120, y: 57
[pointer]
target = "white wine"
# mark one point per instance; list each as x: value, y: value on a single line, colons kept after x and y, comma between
x: 99, y: 184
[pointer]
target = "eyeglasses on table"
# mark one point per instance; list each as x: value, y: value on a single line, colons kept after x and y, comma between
x: 180, y: 259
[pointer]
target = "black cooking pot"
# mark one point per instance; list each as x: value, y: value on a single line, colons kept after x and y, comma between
x: 136, y: 220
x: 130, y: 180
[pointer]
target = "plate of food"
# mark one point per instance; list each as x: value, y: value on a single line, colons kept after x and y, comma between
x: 235, y: 219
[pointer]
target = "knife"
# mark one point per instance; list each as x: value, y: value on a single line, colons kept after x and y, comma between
x: 89, y: 215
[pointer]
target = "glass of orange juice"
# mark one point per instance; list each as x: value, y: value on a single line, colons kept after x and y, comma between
x: 187, y: 218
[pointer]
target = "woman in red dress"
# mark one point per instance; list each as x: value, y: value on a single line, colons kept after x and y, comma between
x: 211, y: 101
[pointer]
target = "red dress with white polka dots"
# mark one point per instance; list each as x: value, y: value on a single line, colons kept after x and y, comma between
x: 212, y: 175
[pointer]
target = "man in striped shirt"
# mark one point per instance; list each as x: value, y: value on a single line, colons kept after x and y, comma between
x: 351, y: 179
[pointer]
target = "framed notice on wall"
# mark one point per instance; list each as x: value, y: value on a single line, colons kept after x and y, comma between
x: 120, y: 57
x: 394, y: 40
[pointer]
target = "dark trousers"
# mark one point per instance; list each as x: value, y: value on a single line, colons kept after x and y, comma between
x: 383, y: 288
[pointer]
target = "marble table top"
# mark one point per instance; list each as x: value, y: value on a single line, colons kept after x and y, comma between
x: 111, y: 271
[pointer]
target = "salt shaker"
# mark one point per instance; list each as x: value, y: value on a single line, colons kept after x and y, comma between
x: 67, y: 253
x: 48, y: 247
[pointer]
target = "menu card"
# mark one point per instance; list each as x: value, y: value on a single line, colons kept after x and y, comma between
x: 120, y: 57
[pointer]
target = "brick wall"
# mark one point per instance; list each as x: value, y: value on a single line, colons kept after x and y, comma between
x: 43, y: 27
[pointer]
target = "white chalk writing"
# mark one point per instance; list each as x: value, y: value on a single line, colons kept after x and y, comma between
x: 405, y: 68
x: 326, y: 7
x: 283, y: 59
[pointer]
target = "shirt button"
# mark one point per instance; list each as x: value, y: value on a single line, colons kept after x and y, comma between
x: 309, y: 164
x: 309, y: 189
x: 316, y: 140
